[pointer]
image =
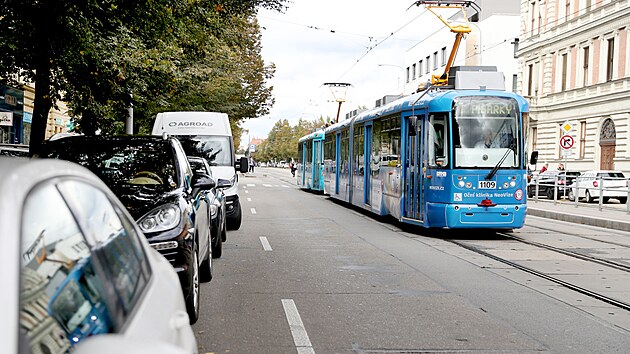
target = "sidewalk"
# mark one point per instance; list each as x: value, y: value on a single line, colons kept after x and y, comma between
x: 612, y: 216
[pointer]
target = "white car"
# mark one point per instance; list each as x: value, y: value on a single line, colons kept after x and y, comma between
x: 614, y: 184
x: 78, y: 273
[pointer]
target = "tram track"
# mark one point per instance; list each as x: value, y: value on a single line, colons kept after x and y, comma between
x: 554, y: 279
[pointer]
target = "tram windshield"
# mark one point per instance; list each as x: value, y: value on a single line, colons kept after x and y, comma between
x: 485, y: 131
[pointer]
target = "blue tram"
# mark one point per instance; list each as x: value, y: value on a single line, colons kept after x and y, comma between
x: 447, y: 157
x: 310, y: 161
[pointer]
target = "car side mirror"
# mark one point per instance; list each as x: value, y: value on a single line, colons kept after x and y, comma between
x: 243, y: 165
x: 117, y: 343
x: 204, y: 182
x: 534, y: 158
x: 224, y: 183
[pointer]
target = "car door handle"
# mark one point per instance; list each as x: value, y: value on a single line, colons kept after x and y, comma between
x: 179, y: 320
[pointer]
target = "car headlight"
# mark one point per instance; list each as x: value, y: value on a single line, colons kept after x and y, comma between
x: 214, y: 210
x: 161, y: 218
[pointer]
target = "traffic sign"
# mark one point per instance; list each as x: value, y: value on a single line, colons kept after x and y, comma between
x: 566, y: 142
x: 566, y: 127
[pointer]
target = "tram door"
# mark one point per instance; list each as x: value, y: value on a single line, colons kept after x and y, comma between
x: 414, y: 205
x: 337, y: 161
x: 367, y: 188
x: 317, y: 163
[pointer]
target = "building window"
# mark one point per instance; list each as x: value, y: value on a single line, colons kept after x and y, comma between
x: 585, y: 65
x: 514, y: 82
x: 582, y: 138
x: 420, y: 68
x: 587, y: 6
x: 443, y: 56
x: 530, y: 79
x: 407, y: 74
x: 568, y: 10
x: 610, y: 59
x: 413, y: 72
x: 435, y: 61
x: 428, y: 65
x: 534, y: 138
x: 533, y: 13
x: 564, y: 71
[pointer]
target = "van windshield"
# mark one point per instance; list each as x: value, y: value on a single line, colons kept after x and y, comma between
x: 216, y: 149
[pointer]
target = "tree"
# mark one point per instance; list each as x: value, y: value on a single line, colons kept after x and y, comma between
x: 99, y: 53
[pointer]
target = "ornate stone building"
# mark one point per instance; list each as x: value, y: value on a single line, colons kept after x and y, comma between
x: 574, y: 60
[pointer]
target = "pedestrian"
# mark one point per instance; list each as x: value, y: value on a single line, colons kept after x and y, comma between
x: 293, y: 168
x: 560, y: 167
x: 251, y: 164
x: 544, y: 168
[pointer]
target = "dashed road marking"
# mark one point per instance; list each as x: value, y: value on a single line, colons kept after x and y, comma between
x: 249, y: 199
x: 300, y: 337
x: 267, y: 185
x: 253, y: 210
x: 246, y: 192
x: 265, y: 243
x: 251, y: 185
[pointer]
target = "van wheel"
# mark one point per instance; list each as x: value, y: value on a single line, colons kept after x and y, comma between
x: 623, y: 200
x: 234, y: 223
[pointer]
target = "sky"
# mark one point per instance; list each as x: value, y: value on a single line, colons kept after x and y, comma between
x: 360, y: 42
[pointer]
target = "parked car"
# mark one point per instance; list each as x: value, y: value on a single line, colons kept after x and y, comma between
x: 614, y: 184
x: 16, y: 150
x: 153, y: 179
x: 77, y: 271
x: 216, y: 200
x: 552, y: 184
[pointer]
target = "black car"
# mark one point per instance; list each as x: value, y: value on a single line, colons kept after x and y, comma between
x: 152, y: 177
x: 552, y: 184
x: 216, y: 200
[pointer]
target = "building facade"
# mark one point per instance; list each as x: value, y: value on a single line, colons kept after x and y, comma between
x: 574, y: 60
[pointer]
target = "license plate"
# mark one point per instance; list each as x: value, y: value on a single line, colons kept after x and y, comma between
x: 487, y: 185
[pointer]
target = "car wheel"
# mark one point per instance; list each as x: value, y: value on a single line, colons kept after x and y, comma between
x: 550, y: 194
x: 571, y: 196
x: 234, y: 223
x: 192, y: 298
x: 623, y: 200
x: 205, y: 269
x: 606, y: 199
x: 588, y: 197
x: 224, y: 232
x: 217, y: 246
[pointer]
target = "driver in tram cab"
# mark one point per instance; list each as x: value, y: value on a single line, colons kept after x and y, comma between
x: 488, y: 140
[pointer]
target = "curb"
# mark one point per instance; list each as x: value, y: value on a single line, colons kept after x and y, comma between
x: 580, y: 219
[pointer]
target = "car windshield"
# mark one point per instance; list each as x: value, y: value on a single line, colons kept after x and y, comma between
x: 216, y: 149
x: 122, y: 163
x: 485, y: 129
x: 611, y: 175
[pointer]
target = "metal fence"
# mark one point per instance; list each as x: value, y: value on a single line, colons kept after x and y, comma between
x: 556, y: 192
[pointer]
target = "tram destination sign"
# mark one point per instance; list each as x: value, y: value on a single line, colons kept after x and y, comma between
x: 486, y: 108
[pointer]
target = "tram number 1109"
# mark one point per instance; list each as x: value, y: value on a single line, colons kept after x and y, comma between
x: 487, y: 185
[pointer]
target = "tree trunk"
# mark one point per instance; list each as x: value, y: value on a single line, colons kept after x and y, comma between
x: 43, y: 98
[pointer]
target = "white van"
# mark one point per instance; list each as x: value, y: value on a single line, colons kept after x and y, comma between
x: 208, y: 134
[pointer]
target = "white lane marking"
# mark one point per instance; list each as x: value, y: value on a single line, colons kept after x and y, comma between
x: 251, y: 185
x: 253, y: 210
x: 246, y: 192
x: 283, y: 186
x: 265, y: 243
x: 249, y: 199
x: 267, y: 185
x: 300, y: 337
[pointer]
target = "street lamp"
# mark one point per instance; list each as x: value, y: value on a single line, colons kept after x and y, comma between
x: 403, y: 76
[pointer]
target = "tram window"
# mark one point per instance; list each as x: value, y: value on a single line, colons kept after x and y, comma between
x: 345, y: 151
x: 358, y: 156
x: 375, y: 154
x: 300, y: 152
x: 309, y: 151
x: 438, y: 140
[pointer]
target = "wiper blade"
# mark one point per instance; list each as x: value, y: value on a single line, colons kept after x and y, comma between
x: 512, y: 147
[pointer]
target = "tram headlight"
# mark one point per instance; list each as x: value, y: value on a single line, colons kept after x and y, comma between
x: 512, y: 184
x: 505, y: 185
x: 461, y: 184
x: 468, y: 184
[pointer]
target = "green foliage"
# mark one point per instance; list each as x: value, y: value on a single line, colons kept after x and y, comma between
x: 282, y: 142
x: 159, y: 55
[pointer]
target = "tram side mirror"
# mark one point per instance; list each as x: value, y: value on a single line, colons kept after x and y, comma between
x: 534, y: 158
x: 413, y: 125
